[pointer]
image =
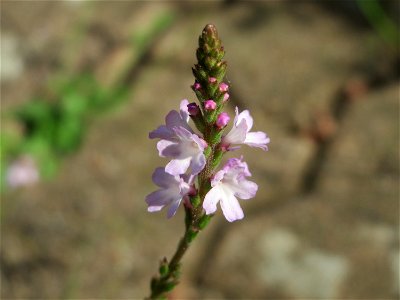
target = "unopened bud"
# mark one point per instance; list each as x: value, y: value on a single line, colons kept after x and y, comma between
x: 226, y: 97
x: 212, y: 80
x: 196, y: 86
x: 223, y: 87
x: 222, y: 120
x: 210, y: 104
x: 193, y: 109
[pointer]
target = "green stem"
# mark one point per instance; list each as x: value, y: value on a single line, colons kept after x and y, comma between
x: 198, y: 220
x: 162, y: 285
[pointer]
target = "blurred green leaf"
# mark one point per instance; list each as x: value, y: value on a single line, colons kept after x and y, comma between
x: 68, y: 135
x: 74, y: 104
x: 40, y: 149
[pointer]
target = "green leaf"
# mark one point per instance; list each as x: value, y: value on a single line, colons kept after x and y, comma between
x: 69, y: 134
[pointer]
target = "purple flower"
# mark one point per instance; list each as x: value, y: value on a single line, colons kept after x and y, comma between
x: 227, y: 184
x: 173, y: 119
x: 172, y: 190
x: 240, y: 133
x: 185, y: 149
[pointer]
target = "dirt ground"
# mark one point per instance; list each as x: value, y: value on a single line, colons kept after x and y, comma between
x: 321, y: 82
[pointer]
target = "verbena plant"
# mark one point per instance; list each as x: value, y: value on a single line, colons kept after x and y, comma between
x: 192, y: 176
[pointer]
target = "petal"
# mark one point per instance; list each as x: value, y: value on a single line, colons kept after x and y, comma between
x: 162, y: 145
x: 158, y: 199
x: 164, y: 179
x: 257, y: 139
x: 244, y: 189
x: 184, y: 187
x: 183, y: 107
x: 173, y: 119
x: 245, y: 115
x: 212, y: 198
x: 173, y: 208
x: 217, y: 177
x: 173, y: 150
x: 177, y: 166
x: 182, y: 133
x: 197, y: 164
x: 162, y: 132
x: 237, y: 135
x: 179, y: 150
x: 230, y: 207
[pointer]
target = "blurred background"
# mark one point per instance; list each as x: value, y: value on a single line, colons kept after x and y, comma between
x: 82, y: 84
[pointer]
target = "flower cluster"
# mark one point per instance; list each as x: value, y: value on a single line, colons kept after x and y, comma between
x: 191, y: 176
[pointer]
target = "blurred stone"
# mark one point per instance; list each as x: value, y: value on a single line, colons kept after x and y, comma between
x: 12, y: 64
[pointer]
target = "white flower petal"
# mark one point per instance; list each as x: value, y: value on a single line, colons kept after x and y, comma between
x: 237, y: 135
x: 257, y: 139
x: 183, y: 107
x: 211, y: 199
x: 245, y: 115
x: 178, y: 166
x: 231, y: 208
x: 217, y: 177
x: 244, y: 189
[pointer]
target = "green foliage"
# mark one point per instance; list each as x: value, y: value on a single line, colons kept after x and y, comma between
x: 55, y: 126
x: 380, y: 21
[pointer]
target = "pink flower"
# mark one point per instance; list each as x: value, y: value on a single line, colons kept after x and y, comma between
x: 22, y: 172
x: 227, y: 184
x: 240, y: 133
x: 185, y: 149
x: 222, y: 120
x: 172, y: 190
x: 210, y: 104
x: 173, y: 119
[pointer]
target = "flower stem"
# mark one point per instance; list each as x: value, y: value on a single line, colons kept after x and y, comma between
x: 169, y: 273
x: 196, y: 220
x: 209, y: 73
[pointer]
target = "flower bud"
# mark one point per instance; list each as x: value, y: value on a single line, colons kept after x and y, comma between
x: 226, y: 97
x: 210, y: 104
x: 193, y: 109
x: 212, y: 80
x: 222, y: 120
x: 196, y: 86
x: 223, y: 87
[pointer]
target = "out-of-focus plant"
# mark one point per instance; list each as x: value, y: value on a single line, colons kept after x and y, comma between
x: 55, y: 126
x: 380, y: 21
